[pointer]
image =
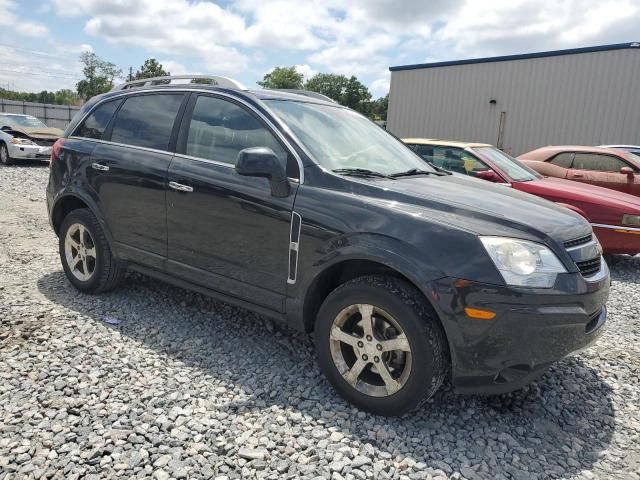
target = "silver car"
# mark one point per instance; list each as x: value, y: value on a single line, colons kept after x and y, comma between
x: 25, y: 137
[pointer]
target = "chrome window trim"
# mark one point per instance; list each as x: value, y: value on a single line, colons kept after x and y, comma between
x: 137, y: 147
x: 616, y: 227
x: 126, y: 93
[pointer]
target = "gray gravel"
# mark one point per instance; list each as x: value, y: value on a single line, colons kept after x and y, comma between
x: 186, y: 387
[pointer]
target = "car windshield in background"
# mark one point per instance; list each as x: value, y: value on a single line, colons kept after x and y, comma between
x: 21, y: 121
x: 509, y: 165
x: 339, y: 138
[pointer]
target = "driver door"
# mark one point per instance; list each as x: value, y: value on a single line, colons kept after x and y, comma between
x: 226, y: 231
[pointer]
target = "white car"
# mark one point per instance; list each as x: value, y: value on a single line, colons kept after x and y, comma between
x: 25, y: 137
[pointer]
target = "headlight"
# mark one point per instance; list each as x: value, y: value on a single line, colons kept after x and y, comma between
x: 21, y: 141
x: 628, y: 219
x: 522, y: 263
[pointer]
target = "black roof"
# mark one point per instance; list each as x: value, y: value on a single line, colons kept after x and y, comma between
x: 524, y: 56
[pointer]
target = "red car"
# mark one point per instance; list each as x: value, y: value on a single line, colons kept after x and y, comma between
x: 614, y: 216
x: 606, y: 167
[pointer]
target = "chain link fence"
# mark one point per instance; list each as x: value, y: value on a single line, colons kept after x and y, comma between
x: 57, y: 116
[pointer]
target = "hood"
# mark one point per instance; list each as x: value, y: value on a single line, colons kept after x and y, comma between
x: 38, y: 132
x: 486, y: 208
x: 561, y: 190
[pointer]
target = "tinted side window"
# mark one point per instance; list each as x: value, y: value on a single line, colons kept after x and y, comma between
x: 562, y: 160
x: 146, y: 120
x: 96, y: 123
x: 220, y: 129
x: 600, y: 163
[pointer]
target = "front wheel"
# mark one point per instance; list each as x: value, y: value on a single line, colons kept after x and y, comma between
x: 380, y: 345
x: 5, y: 159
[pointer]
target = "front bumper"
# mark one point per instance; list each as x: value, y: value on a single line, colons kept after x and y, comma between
x: 532, y: 328
x: 28, y: 151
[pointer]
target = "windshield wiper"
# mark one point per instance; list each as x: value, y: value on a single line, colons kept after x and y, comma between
x: 415, y: 171
x: 360, y: 172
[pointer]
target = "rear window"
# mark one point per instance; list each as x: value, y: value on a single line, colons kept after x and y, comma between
x: 147, y: 120
x: 96, y: 123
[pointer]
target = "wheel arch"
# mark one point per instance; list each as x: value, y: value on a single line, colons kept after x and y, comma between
x: 71, y: 201
x: 338, y: 272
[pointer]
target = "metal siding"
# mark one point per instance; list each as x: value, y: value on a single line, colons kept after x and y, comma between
x: 587, y: 98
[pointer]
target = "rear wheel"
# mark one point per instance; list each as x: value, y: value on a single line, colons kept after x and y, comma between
x: 85, y: 254
x: 5, y: 159
x: 380, y: 345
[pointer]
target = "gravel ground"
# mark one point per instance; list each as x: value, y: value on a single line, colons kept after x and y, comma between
x: 186, y: 387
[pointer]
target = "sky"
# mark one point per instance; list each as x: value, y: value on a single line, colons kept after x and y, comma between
x: 40, y: 41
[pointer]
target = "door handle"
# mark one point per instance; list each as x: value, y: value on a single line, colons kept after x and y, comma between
x: 99, y: 166
x: 180, y: 187
x: 577, y: 175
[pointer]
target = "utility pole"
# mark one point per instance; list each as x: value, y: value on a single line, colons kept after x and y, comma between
x: 130, y: 73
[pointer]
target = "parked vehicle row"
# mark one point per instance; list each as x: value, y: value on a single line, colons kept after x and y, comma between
x: 613, y: 168
x: 303, y: 210
x: 614, y: 216
x: 25, y: 137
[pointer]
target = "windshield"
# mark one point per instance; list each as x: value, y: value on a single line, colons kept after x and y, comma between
x: 339, y: 138
x: 26, y: 121
x: 511, y: 167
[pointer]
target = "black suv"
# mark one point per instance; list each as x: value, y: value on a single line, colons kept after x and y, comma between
x: 297, y: 208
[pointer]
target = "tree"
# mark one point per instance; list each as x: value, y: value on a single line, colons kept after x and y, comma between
x: 380, y: 107
x: 98, y: 75
x: 282, y: 77
x: 329, y: 84
x: 349, y: 92
x: 151, y: 68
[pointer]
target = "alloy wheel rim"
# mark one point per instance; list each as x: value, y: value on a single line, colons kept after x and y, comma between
x: 80, y: 252
x: 370, y: 350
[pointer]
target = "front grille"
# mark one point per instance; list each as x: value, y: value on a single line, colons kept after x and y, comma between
x: 589, y: 267
x: 578, y: 241
x: 45, y: 143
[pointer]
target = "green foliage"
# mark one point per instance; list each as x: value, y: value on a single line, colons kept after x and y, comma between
x: 61, y: 97
x: 379, y: 108
x: 151, y: 68
x: 347, y: 91
x: 282, y: 77
x: 98, y: 75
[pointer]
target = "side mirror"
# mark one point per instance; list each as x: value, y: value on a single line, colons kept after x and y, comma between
x: 489, y: 175
x: 262, y: 162
x: 628, y: 171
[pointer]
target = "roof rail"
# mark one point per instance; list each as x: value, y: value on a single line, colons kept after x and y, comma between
x: 306, y: 93
x: 214, y: 80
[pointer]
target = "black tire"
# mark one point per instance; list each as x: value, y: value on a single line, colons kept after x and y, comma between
x: 5, y: 159
x: 429, y: 350
x: 107, y: 272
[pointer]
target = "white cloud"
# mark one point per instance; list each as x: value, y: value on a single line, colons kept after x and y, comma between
x: 306, y: 70
x: 361, y: 37
x: 33, y: 71
x: 8, y: 18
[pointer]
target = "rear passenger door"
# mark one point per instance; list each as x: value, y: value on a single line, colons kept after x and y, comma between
x: 128, y: 173
x: 226, y: 231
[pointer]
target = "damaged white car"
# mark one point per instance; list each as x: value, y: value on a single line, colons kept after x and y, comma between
x: 25, y: 137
